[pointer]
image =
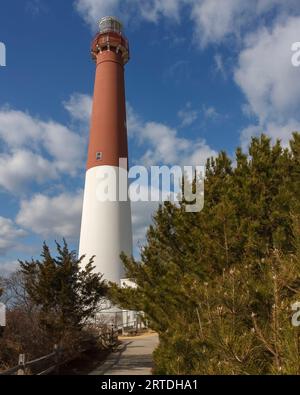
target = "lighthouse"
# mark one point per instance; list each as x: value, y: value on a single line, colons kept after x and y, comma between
x: 106, y: 228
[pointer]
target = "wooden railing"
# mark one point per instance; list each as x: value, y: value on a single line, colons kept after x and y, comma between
x: 50, y: 363
x: 24, y: 367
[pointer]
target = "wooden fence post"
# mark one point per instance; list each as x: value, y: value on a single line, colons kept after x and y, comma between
x: 112, y: 334
x: 56, y: 358
x: 21, y: 363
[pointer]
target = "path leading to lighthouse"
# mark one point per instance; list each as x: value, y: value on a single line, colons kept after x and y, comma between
x: 133, y: 357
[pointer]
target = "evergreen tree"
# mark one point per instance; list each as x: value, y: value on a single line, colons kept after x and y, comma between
x: 217, y: 285
x: 66, y: 295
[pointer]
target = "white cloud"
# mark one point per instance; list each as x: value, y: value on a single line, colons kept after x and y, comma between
x: 57, y: 216
x: 150, y: 10
x: 34, y: 151
x: 64, y: 146
x: 93, y: 10
x: 276, y: 131
x: 10, y: 235
x: 18, y: 129
x: 187, y: 115
x: 216, y: 20
x: 8, y: 267
x: 220, y: 67
x: 164, y: 146
x: 265, y: 72
x: 21, y: 167
x: 168, y: 148
x: 269, y: 81
x: 134, y: 123
x: 79, y: 107
x: 162, y: 141
x: 210, y: 112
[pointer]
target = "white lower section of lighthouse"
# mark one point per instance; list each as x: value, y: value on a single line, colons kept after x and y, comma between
x: 106, y: 228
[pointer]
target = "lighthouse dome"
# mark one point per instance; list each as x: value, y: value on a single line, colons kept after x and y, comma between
x: 110, y: 24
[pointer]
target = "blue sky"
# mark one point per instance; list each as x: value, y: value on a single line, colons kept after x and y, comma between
x: 204, y: 76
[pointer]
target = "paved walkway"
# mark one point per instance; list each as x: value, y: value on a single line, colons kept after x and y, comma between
x: 133, y: 357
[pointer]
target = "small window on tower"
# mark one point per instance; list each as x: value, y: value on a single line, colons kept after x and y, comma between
x: 99, y: 156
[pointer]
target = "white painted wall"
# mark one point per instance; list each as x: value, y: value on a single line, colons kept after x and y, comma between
x: 106, y: 228
x: 129, y: 316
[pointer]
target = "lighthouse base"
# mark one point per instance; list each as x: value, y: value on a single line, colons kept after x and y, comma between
x: 106, y: 229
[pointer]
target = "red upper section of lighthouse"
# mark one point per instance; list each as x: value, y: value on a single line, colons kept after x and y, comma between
x: 110, y: 38
x: 108, y: 135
